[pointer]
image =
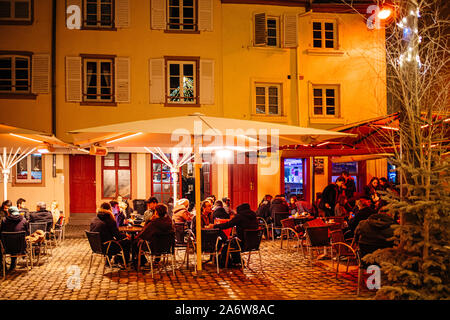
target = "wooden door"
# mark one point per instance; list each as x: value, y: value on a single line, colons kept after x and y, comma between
x: 82, y: 184
x: 242, y: 184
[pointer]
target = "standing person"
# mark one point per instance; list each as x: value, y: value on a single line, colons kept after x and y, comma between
x: 349, y: 185
x: 181, y: 213
x: 22, y: 209
x: 42, y: 215
x: 330, y: 195
x: 4, y: 209
x: 205, y: 216
x: 105, y: 224
x: 151, y: 205
x: 14, y: 222
x: 219, y: 212
x: 263, y: 210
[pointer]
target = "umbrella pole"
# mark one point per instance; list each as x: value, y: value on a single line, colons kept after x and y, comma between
x: 5, y: 185
x: 198, y: 212
x: 175, y: 180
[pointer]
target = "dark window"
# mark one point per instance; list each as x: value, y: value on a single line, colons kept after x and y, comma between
x: 15, y: 74
x: 98, y: 80
x: 15, y: 10
x: 98, y: 13
x: 181, y: 15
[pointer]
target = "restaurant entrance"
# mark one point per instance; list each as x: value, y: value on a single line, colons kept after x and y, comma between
x: 82, y: 184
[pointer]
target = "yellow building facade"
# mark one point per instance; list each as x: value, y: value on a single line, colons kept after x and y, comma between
x: 127, y: 60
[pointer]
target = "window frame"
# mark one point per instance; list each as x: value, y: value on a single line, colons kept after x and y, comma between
x: 266, y: 85
x: 323, y: 38
x: 153, y: 161
x: 116, y: 169
x: 278, y: 31
x: 13, y: 56
x: 97, y: 58
x: 21, y: 21
x: 184, y: 60
x: 24, y: 183
x: 337, y: 96
x: 180, y: 6
x: 111, y: 27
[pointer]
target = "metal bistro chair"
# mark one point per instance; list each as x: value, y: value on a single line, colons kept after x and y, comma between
x: 251, y: 243
x: 14, y: 245
x: 209, y: 244
x: 276, y: 224
x: 95, y: 243
x: 163, y: 246
x: 182, y: 240
x: 289, y: 232
x: 59, y: 230
x: 263, y: 224
x: 316, y: 237
x: 33, y: 227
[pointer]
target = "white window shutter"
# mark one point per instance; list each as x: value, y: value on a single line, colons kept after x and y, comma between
x: 205, y: 15
x: 73, y: 79
x: 158, y: 14
x: 40, y: 82
x: 157, y: 76
x: 122, y: 79
x: 122, y: 8
x: 260, y: 32
x: 290, y: 28
x: 206, y: 81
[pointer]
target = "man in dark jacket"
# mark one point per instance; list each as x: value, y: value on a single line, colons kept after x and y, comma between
x: 42, y: 215
x: 14, y: 222
x: 330, y: 195
x: 22, y: 209
x: 349, y: 185
x: 105, y: 224
x: 364, y: 212
x: 373, y: 233
x: 264, y: 207
x: 219, y: 211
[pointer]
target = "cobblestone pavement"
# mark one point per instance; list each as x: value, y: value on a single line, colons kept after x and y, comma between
x: 287, y: 276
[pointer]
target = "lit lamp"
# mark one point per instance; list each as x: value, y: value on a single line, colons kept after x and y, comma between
x: 44, y: 148
x: 384, y: 14
x: 224, y: 153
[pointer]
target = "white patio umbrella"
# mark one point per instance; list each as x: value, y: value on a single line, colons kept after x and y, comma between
x: 185, y: 132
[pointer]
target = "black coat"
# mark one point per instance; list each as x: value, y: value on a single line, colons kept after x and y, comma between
x: 42, y: 216
x: 361, y: 215
x: 350, y: 188
x: 278, y: 205
x: 155, y: 227
x: 375, y: 231
x: 243, y: 220
x: 329, y: 195
x: 220, y: 213
x: 14, y: 223
x: 106, y: 226
x: 264, y: 210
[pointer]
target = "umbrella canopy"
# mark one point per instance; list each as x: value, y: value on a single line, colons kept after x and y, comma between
x: 199, y: 131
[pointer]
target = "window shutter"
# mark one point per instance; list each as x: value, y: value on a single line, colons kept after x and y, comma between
x: 290, y: 28
x: 158, y: 14
x: 40, y: 82
x: 205, y: 15
x: 73, y: 79
x: 260, y: 29
x: 157, y: 81
x: 122, y: 79
x: 206, y: 81
x: 76, y: 3
x: 122, y: 8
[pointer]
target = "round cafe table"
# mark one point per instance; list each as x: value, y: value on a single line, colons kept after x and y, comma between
x: 132, y: 231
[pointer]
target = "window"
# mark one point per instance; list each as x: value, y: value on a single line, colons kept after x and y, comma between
x: 268, y: 99
x: 181, y: 15
x: 272, y: 32
x: 266, y: 30
x: 15, y: 74
x: 294, y: 176
x: 162, y: 180
x: 29, y: 169
x: 98, y: 13
x: 116, y: 175
x: 182, y: 82
x: 98, y: 80
x: 350, y: 167
x: 324, y: 34
x: 15, y: 10
x: 325, y: 101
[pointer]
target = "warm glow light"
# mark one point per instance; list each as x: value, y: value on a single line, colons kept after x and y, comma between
x: 18, y: 136
x: 132, y: 135
x: 391, y: 128
x: 384, y: 14
x: 322, y: 144
x: 224, y: 153
x: 43, y: 150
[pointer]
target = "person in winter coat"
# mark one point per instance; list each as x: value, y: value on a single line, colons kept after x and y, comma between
x: 373, y: 233
x: 264, y: 207
x: 363, y: 213
x: 278, y: 204
x: 159, y: 224
x: 219, y: 211
x: 105, y: 224
x: 42, y: 215
x: 4, y: 209
x: 13, y: 222
x: 180, y: 212
x: 371, y: 191
x: 349, y: 186
x: 330, y: 195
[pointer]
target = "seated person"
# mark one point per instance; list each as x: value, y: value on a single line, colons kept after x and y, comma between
x: 151, y: 204
x: 42, y: 215
x: 22, y: 209
x: 278, y: 205
x: 4, y: 209
x: 219, y: 211
x: 205, y: 215
x: 105, y: 224
x: 263, y: 210
x: 227, y: 206
x: 304, y: 206
x: 373, y: 233
x: 181, y: 213
x: 13, y: 222
x: 363, y: 213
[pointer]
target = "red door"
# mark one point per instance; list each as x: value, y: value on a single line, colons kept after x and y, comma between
x: 82, y: 184
x: 243, y: 184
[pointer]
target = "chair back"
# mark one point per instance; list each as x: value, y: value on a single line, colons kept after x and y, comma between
x: 209, y: 239
x: 288, y: 223
x: 34, y: 226
x: 95, y: 242
x: 252, y: 240
x: 318, y: 236
x: 337, y: 236
x: 60, y: 223
x: 180, y: 233
x: 14, y: 243
x: 140, y: 206
x: 278, y: 216
x: 163, y: 243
